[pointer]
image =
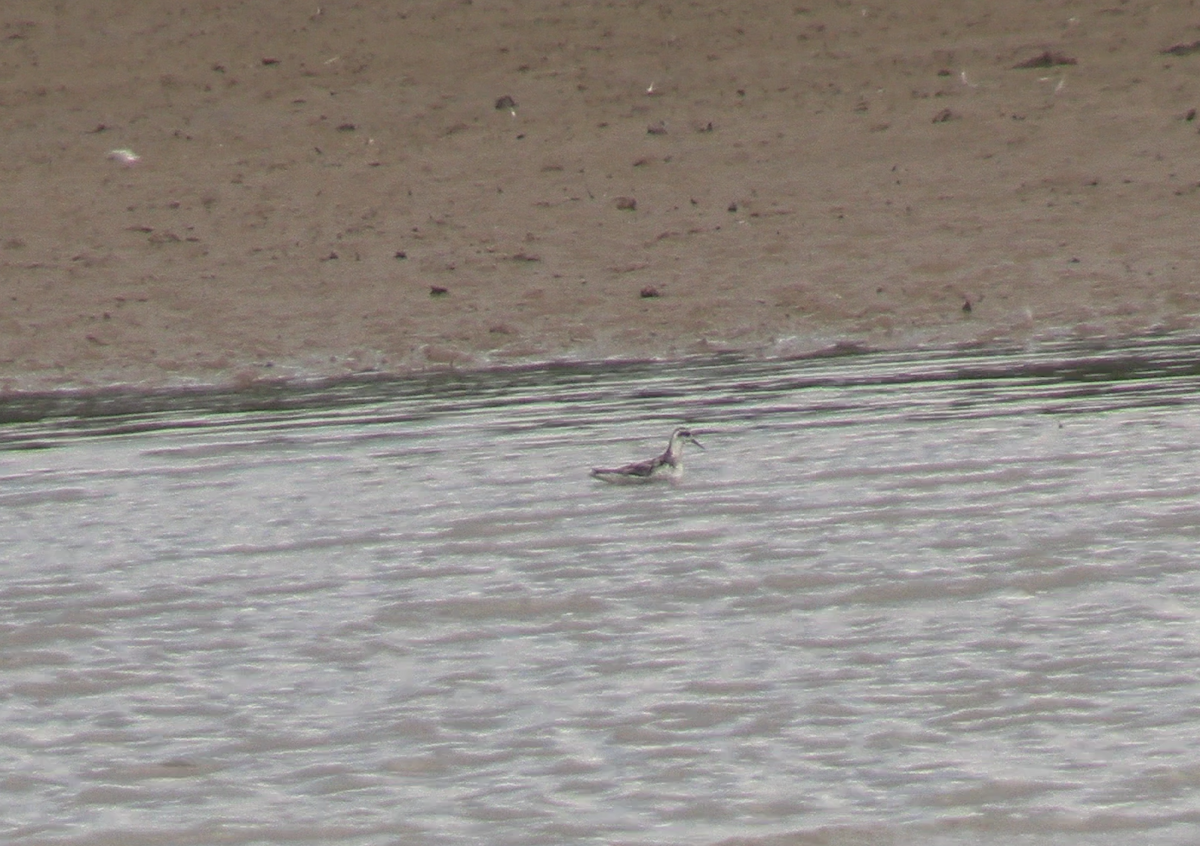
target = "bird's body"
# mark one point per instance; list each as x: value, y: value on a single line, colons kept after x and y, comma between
x: 665, y: 467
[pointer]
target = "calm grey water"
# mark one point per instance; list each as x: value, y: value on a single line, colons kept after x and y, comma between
x: 899, y: 599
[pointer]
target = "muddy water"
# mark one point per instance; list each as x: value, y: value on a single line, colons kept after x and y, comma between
x: 900, y: 598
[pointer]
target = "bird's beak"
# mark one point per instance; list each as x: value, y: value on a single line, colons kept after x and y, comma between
x: 696, y: 442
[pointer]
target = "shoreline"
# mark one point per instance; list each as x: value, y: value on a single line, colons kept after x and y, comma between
x: 116, y: 400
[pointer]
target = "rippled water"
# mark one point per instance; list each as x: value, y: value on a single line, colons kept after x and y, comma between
x: 900, y: 598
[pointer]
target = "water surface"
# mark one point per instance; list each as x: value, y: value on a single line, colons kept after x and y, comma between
x: 936, y: 598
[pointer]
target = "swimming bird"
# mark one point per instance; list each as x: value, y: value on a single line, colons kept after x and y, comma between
x: 668, y: 466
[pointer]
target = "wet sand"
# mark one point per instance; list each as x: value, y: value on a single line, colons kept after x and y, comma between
x: 378, y: 187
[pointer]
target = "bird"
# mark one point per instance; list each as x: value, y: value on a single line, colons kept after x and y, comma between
x: 668, y: 466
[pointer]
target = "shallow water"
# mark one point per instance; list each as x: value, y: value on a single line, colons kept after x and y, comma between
x: 900, y: 598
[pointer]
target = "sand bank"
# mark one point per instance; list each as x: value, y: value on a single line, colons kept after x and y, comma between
x: 345, y: 188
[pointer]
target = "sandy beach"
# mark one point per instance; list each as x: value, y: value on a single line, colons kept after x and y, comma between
x: 221, y: 193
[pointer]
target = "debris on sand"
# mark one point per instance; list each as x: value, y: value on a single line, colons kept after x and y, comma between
x: 1182, y: 49
x: 1046, y: 59
x: 125, y: 157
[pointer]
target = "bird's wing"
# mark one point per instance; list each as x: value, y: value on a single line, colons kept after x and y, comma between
x: 637, y: 468
x: 641, y: 468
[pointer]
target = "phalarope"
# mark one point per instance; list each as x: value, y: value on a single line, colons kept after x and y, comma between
x: 668, y: 466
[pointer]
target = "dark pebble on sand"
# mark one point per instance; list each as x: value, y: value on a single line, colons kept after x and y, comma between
x: 1046, y: 59
x: 1182, y: 49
